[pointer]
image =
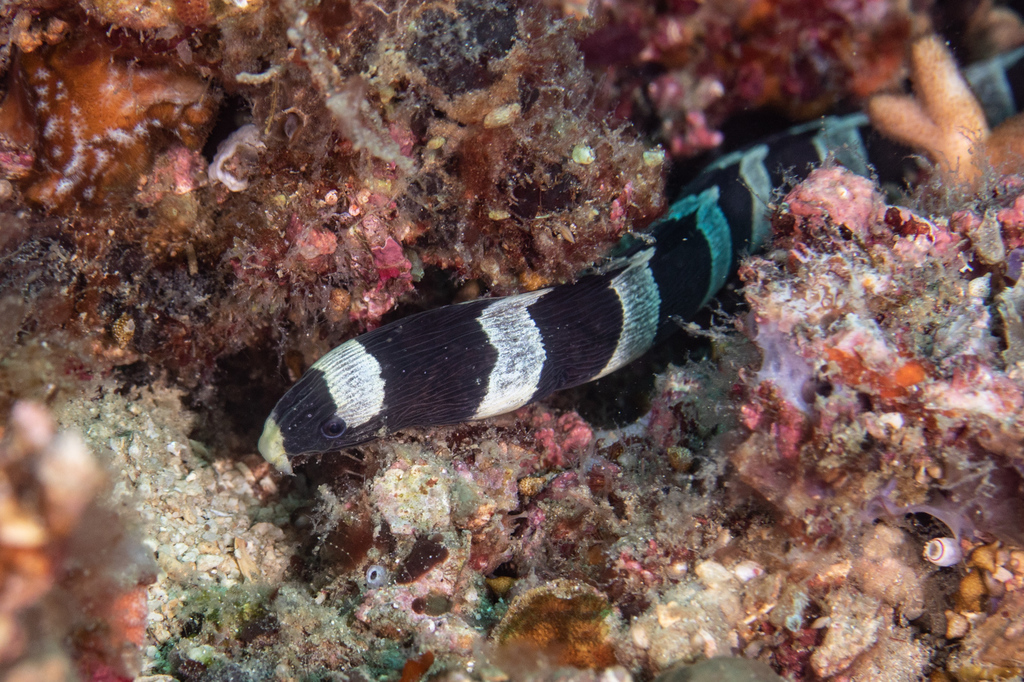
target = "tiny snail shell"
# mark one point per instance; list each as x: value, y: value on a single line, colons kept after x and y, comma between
x: 376, y: 576
x: 943, y: 552
x: 747, y: 570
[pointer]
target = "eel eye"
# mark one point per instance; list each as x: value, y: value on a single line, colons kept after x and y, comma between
x: 333, y: 427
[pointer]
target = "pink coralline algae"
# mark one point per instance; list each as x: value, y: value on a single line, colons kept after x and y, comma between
x: 310, y: 244
x: 175, y: 171
x: 561, y: 441
x: 394, y: 278
x: 391, y: 262
x: 302, y: 249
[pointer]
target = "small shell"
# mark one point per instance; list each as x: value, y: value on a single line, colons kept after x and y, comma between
x: 376, y: 576
x: 747, y: 570
x: 502, y: 116
x: 943, y: 552
x: 123, y: 330
x: 654, y: 158
x: 583, y: 154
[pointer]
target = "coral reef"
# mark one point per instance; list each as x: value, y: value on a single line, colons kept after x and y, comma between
x: 200, y: 198
x: 345, y: 176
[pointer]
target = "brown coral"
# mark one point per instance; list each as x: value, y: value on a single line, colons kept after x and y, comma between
x: 563, y: 619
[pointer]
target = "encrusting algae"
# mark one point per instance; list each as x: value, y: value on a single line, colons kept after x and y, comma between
x: 200, y: 198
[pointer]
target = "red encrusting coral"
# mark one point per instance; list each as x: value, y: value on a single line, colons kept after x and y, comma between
x: 561, y: 441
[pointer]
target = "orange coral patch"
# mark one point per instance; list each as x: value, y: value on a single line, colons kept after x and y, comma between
x: 415, y: 668
x: 886, y: 386
x: 99, y: 115
x: 1005, y: 146
x: 910, y: 374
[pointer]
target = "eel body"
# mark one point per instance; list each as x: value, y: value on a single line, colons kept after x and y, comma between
x: 486, y: 357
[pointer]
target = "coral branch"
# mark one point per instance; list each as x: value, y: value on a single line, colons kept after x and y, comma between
x: 944, y: 120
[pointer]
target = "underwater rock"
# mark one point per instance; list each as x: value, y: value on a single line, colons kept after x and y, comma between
x: 413, y: 498
x: 854, y: 622
x: 698, y: 619
x: 995, y: 646
x: 721, y: 669
x: 892, y: 366
x: 886, y: 571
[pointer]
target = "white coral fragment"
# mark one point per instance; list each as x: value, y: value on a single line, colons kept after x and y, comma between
x: 244, y: 141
